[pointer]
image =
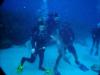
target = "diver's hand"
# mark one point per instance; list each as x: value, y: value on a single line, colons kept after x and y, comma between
x: 33, y: 50
x: 43, y: 47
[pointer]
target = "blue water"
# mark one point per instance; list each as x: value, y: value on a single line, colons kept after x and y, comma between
x: 83, y: 15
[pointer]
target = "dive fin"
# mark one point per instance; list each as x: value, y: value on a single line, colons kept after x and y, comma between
x: 83, y: 67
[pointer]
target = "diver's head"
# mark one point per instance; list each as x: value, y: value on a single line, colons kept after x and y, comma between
x: 98, y: 25
x: 42, y: 26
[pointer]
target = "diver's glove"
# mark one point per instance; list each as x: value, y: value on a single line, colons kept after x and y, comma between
x: 43, y: 47
x: 33, y: 50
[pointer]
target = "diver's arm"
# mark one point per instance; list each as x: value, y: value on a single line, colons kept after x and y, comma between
x: 55, y: 39
x: 33, y: 47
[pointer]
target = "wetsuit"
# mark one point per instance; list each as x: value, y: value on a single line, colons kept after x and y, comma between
x: 66, y: 38
x: 39, y: 41
x: 96, y: 40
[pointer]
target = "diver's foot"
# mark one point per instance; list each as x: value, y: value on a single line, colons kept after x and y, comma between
x: 20, y: 68
x: 47, y: 71
x: 83, y: 67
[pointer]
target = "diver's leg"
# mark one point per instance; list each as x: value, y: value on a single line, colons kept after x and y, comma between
x: 72, y: 50
x: 41, y: 59
x: 31, y: 59
x: 93, y: 44
x: 97, y: 47
x: 57, y: 62
x: 65, y: 57
x: 80, y: 65
x: 60, y: 52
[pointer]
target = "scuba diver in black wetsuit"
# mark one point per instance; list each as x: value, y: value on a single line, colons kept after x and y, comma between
x: 96, y: 39
x: 65, y: 42
x: 39, y: 40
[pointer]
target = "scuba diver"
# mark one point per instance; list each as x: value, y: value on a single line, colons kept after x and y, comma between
x: 65, y: 42
x: 64, y: 37
x: 39, y: 40
x: 96, y: 39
